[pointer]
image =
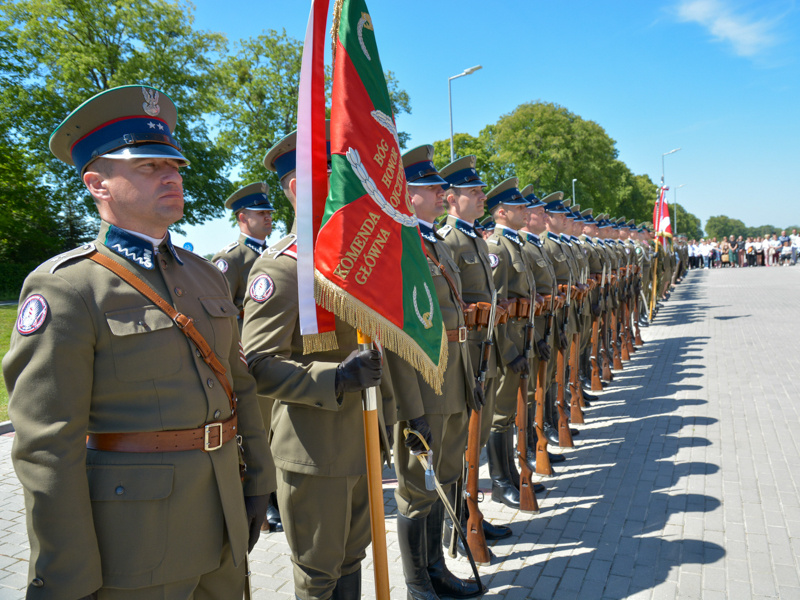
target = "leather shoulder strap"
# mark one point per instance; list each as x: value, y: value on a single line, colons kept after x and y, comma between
x: 184, y: 323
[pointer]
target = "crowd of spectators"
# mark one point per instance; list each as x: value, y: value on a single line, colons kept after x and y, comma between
x: 771, y: 250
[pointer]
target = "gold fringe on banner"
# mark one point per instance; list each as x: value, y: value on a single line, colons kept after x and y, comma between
x: 320, y: 342
x: 337, y: 16
x: 358, y: 315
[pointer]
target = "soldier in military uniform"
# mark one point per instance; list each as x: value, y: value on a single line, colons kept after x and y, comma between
x: 124, y: 432
x: 440, y: 418
x: 545, y: 277
x: 317, y: 431
x: 513, y: 280
x: 465, y: 202
x: 253, y: 210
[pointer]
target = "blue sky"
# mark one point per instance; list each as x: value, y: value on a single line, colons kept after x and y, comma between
x: 718, y: 78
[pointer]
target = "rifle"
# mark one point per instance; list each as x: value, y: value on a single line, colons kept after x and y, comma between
x: 543, y: 466
x: 475, y: 536
x: 564, y: 434
x: 615, y: 340
x: 577, y: 401
x: 597, y: 385
x: 607, y: 375
x: 527, y: 499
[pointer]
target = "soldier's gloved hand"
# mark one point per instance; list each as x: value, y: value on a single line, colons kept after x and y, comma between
x: 478, y: 398
x: 562, y: 338
x: 256, y: 509
x: 519, y: 365
x: 413, y: 442
x: 543, y: 348
x: 360, y: 370
x: 596, y: 309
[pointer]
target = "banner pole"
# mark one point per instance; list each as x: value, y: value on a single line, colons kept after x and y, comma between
x: 377, y: 517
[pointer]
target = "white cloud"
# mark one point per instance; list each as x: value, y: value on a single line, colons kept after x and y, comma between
x: 747, y: 34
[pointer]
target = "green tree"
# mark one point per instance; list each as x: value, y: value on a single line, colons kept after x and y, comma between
x: 688, y: 224
x: 723, y: 226
x: 73, y: 49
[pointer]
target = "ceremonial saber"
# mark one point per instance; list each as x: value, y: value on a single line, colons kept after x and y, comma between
x: 430, y: 480
x: 377, y: 517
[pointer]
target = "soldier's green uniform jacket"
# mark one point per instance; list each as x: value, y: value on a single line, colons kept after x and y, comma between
x: 543, y: 274
x: 553, y: 245
x: 471, y: 254
x: 92, y: 354
x: 313, y: 431
x: 235, y: 261
x: 512, y: 279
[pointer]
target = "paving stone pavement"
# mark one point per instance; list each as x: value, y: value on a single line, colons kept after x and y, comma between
x: 683, y: 483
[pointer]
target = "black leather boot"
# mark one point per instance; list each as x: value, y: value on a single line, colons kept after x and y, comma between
x: 503, y: 489
x: 414, y: 555
x: 348, y: 587
x: 443, y: 581
x: 512, y: 464
x: 272, y: 523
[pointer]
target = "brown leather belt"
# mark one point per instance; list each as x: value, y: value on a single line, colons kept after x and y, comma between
x: 208, y: 438
x: 457, y: 335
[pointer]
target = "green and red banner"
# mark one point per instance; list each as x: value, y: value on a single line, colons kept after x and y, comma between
x: 371, y: 270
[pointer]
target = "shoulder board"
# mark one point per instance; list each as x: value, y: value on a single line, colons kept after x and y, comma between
x: 282, y: 246
x: 493, y: 240
x: 54, y: 263
x: 229, y: 247
x: 444, y: 230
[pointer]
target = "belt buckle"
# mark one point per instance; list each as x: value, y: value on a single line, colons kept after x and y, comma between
x: 206, y: 434
x: 462, y: 334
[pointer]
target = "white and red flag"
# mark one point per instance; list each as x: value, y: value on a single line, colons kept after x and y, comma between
x: 661, y: 216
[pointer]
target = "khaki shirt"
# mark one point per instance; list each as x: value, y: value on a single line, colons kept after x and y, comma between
x: 235, y: 261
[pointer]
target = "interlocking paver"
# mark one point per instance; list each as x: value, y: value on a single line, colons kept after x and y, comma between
x: 685, y: 482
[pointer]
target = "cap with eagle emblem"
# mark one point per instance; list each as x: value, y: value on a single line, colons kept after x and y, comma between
x: 130, y: 121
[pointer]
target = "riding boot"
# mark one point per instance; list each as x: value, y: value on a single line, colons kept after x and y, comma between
x: 503, y: 489
x: 348, y: 586
x: 512, y: 464
x: 550, y: 416
x: 443, y: 581
x: 414, y: 556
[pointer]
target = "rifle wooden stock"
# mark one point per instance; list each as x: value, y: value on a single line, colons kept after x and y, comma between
x: 615, y: 341
x: 527, y: 499
x: 628, y: 326
x: 607, y: 374
x: 476, y: 540
x: 636, y: 316
x: 597, y: 385
x: 576, y: 414
x: 623, y: 331
x: 564, y: 434
x: 543, y: 466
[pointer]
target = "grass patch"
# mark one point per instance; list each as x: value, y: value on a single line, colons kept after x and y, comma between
x: 8, y: 316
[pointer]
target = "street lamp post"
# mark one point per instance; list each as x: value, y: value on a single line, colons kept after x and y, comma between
x: 469, y: 71
x: 675, y: 205
x: 662, y: 163
x: 574, y: 199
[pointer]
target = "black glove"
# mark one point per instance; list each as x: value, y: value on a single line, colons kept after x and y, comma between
x: 478, y: 398
x: 412, y: 441
x: 390, y: 435
x: 562, y: 338
x: 543, y: 348
x: 519, y: 365
x: 596, y: 309
x: 256, y: 509
x: 360, y: 370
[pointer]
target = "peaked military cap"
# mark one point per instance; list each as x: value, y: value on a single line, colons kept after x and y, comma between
x: 567, y: 202
x: 553, y: 204
x: 487, y: 223
x: 462, y: 173
x: 419, y: 168
x: 603, y: 222
x: 632, y: 224
x: 533, y: 199
x: 131, y: 121
x: 576, y: 212
x: 282, y: 157
x: 506, y: 192
x: 588, y: 217
x: 252, y: 197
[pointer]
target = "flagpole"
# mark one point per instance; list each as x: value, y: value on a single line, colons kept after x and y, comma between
x: 377, y: 517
